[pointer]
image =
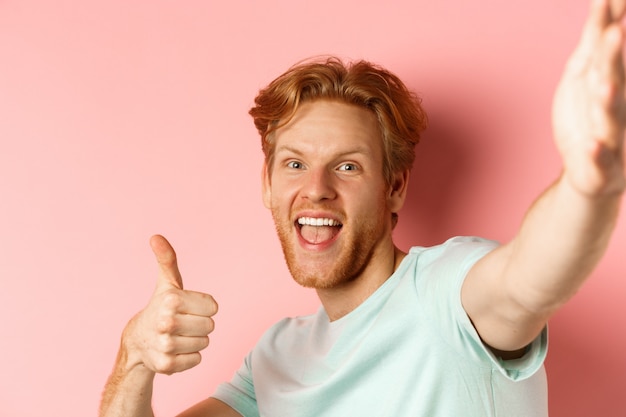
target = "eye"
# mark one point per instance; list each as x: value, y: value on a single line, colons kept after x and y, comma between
x: 348, y: 167
x: 295, y: 165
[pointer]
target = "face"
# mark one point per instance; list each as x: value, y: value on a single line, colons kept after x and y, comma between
x: 330, y: 203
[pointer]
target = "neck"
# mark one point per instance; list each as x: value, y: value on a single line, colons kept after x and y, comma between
x: 341, y: 300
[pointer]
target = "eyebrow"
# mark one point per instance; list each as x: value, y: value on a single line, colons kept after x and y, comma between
x: 290, y: 149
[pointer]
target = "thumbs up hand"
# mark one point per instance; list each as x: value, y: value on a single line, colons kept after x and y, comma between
x: 168, y: 335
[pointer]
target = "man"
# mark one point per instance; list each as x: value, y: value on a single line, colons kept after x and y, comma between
x: 457, y: 329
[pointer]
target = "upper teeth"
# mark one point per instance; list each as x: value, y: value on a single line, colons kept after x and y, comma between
x: 312, y: 221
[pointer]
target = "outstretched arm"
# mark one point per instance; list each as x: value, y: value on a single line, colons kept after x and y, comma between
x: 511, y: 293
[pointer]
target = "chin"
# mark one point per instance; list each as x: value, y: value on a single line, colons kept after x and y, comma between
x: 324, y: 274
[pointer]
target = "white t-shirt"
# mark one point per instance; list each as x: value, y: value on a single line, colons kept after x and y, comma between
x: 408, y: 350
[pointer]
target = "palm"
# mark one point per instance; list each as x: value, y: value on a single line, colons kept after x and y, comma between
x: 589, y: 109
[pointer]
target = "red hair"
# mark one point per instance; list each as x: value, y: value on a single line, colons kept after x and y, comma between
x: 399, y: 112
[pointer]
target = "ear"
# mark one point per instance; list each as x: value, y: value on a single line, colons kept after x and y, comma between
x: 266, y: 187
x: 398, y: 191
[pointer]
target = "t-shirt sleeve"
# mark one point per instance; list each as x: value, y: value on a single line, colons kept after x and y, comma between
x: 444, y: 269
x: 239, y: 392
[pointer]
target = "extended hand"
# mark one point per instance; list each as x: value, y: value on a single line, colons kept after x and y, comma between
x: 168, y: 335
x: 589, y: 112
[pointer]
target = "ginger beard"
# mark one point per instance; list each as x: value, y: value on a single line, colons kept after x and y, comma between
x: 326, y: 190
x: 356, y: 245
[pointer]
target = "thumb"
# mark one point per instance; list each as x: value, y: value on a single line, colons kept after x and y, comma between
x: 169, y: 275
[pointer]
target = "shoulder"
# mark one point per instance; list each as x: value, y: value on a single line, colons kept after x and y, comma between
x: 455, y: 252
x: 466, y: 243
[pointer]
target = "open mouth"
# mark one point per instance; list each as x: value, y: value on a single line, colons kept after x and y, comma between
x: 318, y: 230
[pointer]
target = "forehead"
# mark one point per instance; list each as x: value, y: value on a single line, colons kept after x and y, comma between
x: 333, y: 125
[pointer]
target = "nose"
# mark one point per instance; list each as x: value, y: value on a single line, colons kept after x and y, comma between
x: 319, y: 185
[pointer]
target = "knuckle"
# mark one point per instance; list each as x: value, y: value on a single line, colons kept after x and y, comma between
x: 165, y: 364
x: 166, y: 324
x: 166, y: 344
x: 172, y: 299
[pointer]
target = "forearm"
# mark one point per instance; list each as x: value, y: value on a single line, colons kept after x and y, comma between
x: 128, y: 391
x: 562, y: 238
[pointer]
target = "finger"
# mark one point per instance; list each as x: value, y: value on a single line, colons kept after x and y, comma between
x: 188, y: 302
x: 599, y: 18
x: 198, y: 304
x: 169, y: 364
x: 195, y: 326
x: 602, y: 12
x: 596, y: 21
x: 613, y: 41
x: 608, y: 74
x: 186, y: 325
x: 182, y: 345
x: 169, y: 275
x: 618, y: 8
x: 188, y: 360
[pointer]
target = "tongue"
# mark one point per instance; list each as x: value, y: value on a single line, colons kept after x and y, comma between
x: 318, y: 234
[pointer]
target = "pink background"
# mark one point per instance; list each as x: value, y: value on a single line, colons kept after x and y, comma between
x: 123, y: 119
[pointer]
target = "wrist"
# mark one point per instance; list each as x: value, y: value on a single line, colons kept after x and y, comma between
x: 130, y: 358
